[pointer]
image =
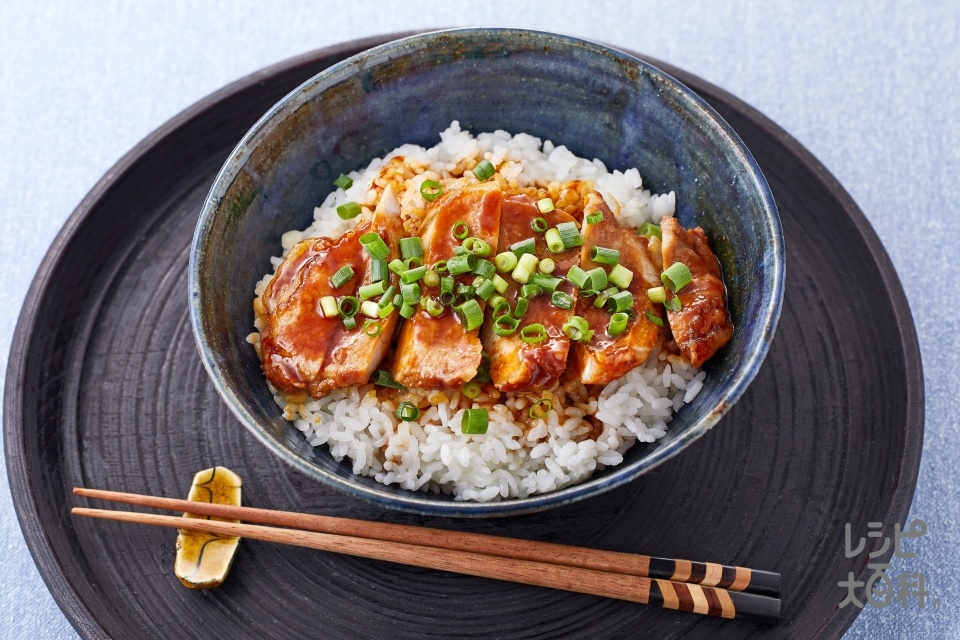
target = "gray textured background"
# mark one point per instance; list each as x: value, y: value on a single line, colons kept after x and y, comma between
x: 872, y: 90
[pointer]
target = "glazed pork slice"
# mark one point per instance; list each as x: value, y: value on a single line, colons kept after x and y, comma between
x: 606, y: 358
x: 303, y: 351
x: 437, y: 352
x: 703, y: 324
x: 514, y: 364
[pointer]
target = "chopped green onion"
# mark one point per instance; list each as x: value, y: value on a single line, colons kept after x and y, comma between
x: 458, y: 265
x: 620, y: 276
x: 328, y: 305
x: 530, y: 291
x: 545, y: 205
x: 621, y: 301
x: 431, y: 278
x: 540, y: 409
x: 578, y: 277
x: 465, y: 292
x: 372, y: 328
x: 397, y: 300
x: 407, y: 411
x: 459, y: 250
x: 371, y: 309
x: 440, y: 266
x: 598, y: 279
x: 499, y: 283
x: 350, y: 323
x: 554, y: 241
x: 657, y: 294
x: 396, y: 265
x: 575, y: 328
x: 410, y: 293
x: 524, y: 246
x: 676, y: 276
x: 618, y: 324
x: 484, y: 170
x: 343, y: 182
x: 387, y: 296
x: 384, y: 312
x: 343, y: 275
x: 673, y: 304
x: 477, y: 246
x: 545, y: 282
x: 447, y: 296
x: 561, y: 300
x: 371, y: 290
x: 430, y: 190
x: 384, y: 379
x: 505, y: 261
x: 485, y: 290
x: 539, y: 224
x: 595, y: 217
x: 601, y: 299
x: 603, y: 255
x: 411, y: 247
x: 499, y: 305
x: 533, y: 333
x: 407, y: 310
x: 460, y: 230
x: 413, y: 263
x: 348, y: 306
x: 521, y: 307
x: 434, y: 308
x: 505, y: 325
x: 348, y: 210
x: 471, y: 315
x: 485, y: 268
x: 649, y: 229
x: 587, y: 293
x: 375, y: 245
x: 483, y: 371
x: 546, y: 266
x: 587, y: 337
x: 472, y: 390
x: 654, y: 318
x: 526, y: 266
x: 378, y: 270
x: 413, y: 275
x: 569, y: 235
x: 475, y: 421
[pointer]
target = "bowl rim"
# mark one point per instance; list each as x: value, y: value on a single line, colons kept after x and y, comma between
x: 418, y: 502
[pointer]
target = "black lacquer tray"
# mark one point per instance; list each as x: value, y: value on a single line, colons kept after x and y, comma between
x: 105, y: 389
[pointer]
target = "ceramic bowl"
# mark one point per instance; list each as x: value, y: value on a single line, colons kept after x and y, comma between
x: 599, y: 102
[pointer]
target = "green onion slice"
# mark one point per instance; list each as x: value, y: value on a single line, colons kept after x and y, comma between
x: 413, y: 275
x: 410, y: 293
x: 657, y: 294
x: 485, y: 268
x: 430, y: 190
x: 372, y: 290
x: 434, y: 308
x: 545, y: 282
x: 561, y: 300
x: 547, y: 266
x: 477, y: 246
x: 649, y: 229
x: 524, y: 246
x: 621, y: 301
x: 384, y: 312
x: 545, y: 205
x: 475, y: 421
x: 575, y: 328
x: 620, y: 276
x: 569, y: 235
x: 431, y: 278
x: 375, y: 245
x: 540, y: 409
x: 411, y: 247
x: 387, y: 296
x: 578, y: 277
x: 530, y: 291
x: 396, y: 265
x: 499, y: 283
x: 407, y: 310
x: 485, y: 290
x: 533, y: 333
x: 521, y: 307
x: 348, y: 306
x: 471, y: 315
x: 595, y: 217
x: 618, y: 324
x: 460, y: 230
x: 676, y: 276
x: 328, y: 305
x: 407, y: 411
x: 343, y: 182
x: 350, y: 323
x: 343, y: 275
x: 372, y: 309
x: 348, y: 210
x: 413, y: 263
x: 539, y: 224
x: 673, y: 304
x: 598, y: 279
x: 526, y: 266
x: 505, y: 261
x: 505, y: 325
x: 484, y: 170
x: 601, y: 300
x: 384, y: 379
x: 471, y: 390
x: 372, y: 328
x: 378, y: 270
x: 554, y: 240
x: 654, y: 318
x: 458, y: 265
x: 603, y: 255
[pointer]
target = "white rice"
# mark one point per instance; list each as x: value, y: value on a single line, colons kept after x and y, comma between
x: 513, y: 459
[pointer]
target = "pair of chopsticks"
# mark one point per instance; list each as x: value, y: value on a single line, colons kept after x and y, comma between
x: 699, y: 587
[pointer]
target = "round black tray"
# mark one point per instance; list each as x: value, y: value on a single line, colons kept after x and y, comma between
x: 105, y: 389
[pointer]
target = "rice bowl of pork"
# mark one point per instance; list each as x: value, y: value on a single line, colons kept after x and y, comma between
x: 485, y: 80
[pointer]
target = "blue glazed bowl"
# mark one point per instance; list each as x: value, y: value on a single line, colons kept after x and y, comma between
x: 599, y: 102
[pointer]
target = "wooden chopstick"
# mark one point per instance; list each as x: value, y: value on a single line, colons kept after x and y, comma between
x: 671, y: 595
x: 707, y: 574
